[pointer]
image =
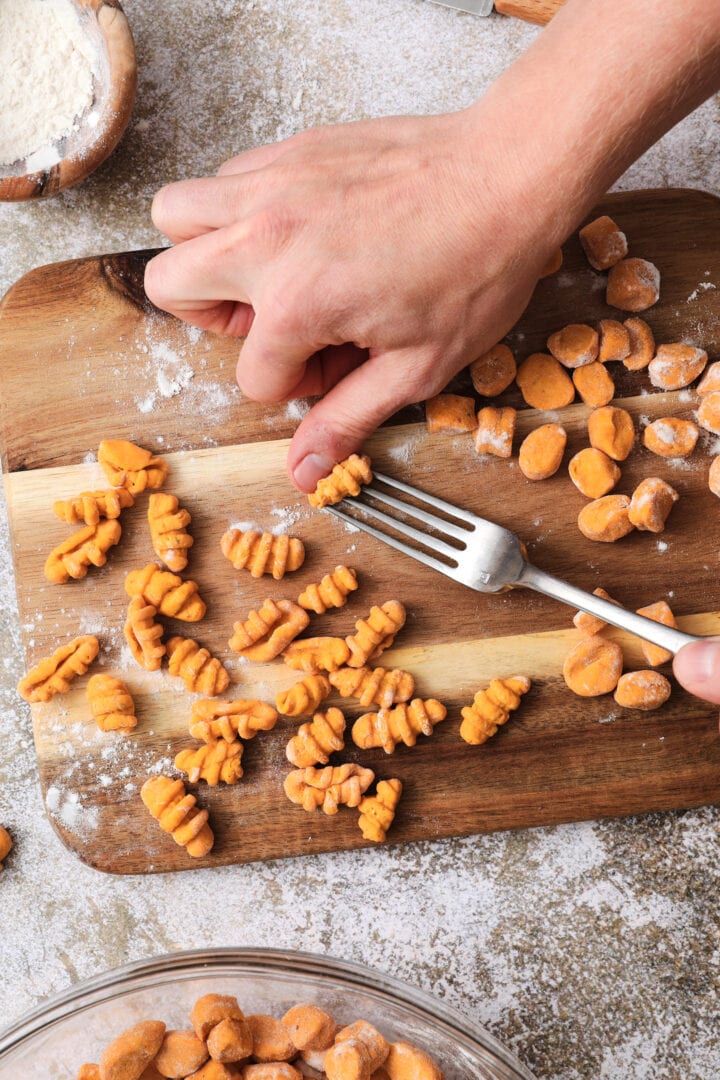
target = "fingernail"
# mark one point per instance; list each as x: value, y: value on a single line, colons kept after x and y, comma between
x: 699, y: 663
x: 310, y: 469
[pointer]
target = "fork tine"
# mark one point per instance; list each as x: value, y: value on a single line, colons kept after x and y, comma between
x: 431, y: 500
x: 440, y: 524
x: 407, y: 530
x: 428, y: 560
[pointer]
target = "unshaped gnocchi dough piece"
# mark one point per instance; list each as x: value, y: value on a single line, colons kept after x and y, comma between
x: 54, y: 673
x: 714, y: 476
x: 277, y: 1070
x: 575, y: 345
x: 210, y: 1009
x: 670, y: 437
x: 642, y: 344
x: 230, y: 1040
x: 181, y: 1053
x: 614, y: 341
x: 708, y: 413
x: 544, y: 383
x: 607, y: 519
x: 651, y: 502
x: 541, y: 451
x: 676, y: 365
x: 450, y: 412
x: 643, y: 690
x: 310, y: 1027
x: 594, y: 384
x: 407, y: 1062
x: 493, y: 372
x: 603, y: 242
x: 662, y: 613
x: 633, y: 285
x: 271, y: 1039
x: 359, y: 1049
x: 710, y: 380
x: 132, y: 1051
x: 593, y: 667
x: 611, y: 430
x: 593, y: 473
x: 591, y: 624
x: 495, y: 430
x: 6, y: 845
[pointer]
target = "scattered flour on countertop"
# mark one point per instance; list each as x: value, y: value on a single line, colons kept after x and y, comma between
x: 47, y: 62
x: 701, y: 287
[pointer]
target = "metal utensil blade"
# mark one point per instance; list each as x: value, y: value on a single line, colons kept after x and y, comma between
x: 474, y: 7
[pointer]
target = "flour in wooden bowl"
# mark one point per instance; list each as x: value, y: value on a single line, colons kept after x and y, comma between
x: 47, y: 64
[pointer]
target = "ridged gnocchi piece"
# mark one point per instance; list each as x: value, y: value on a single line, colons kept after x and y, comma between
x: 317, y: 740
x: 404, y: 723
x: 213, y: 762
x: 111, y: 703
x: 304, y: 697
x: 263, y: 553
x: 177, y: 813
x: 168, y: 523
x: 376, y: 633
x: 130, y: 466
x: 201, y: 672
x: 268, y: 631
x: 374, y: 686
x: 377, y: 812
x: 144, y: 635
x: 328, y: 788
x: 331, y: 592
x: 243, y: 718
x: 90, y: 506
x: 491, y: 708
x: 85, y: 548
x: 346, y: 478
x: 54, y: 673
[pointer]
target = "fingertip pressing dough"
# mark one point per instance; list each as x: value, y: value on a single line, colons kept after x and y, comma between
x: 669, y: 437
x: 493, y: 372
x: 263, y: 553
x: 575, y: 345
x: 603, y: 242
x: 346, y: 478
x: 177, y: 813
x: 606, y: 519
x: 541, y: 451
x: 168, y: 523
x: 651, y: 502
x: 644, y: 690
x: 544, y: 383
x: 593, y: 473
x: 111, y: 703
x: 377, y: 812
x: 594, y: 384
x: 676, y: 365
x: 593, y: 667
x: 54, y: 674
x: 611, y: 430
x: 642, y: 344
x: 450, y: 412
x: 130, y: 466
x: 491, y: 708
x: 633, y: 285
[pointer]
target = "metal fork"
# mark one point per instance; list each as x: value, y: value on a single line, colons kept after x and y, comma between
x: 484, y: 556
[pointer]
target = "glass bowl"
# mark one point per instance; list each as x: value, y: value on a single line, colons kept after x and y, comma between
x: 53, y: 1041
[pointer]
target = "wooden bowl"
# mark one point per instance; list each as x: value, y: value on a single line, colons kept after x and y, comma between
x: 101, y: 129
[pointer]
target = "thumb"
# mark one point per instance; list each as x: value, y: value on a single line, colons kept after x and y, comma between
x: 697, y: 668
x: 340, y: 422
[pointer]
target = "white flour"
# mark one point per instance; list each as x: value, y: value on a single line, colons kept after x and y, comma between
x: 46, y: 78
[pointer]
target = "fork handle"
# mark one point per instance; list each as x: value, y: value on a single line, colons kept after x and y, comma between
x: 667, y: 637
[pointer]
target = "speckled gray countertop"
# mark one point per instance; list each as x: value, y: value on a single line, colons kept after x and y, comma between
x: 592, y: 950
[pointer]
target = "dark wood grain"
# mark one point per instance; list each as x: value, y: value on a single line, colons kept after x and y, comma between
x: 72, y: 337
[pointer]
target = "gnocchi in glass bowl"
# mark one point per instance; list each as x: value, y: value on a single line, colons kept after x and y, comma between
x: 68, y: 1030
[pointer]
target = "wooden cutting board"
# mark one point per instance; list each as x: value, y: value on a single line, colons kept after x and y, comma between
x: 85, y: 357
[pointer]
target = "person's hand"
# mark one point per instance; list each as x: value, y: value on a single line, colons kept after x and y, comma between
x: 367, y: 263
x: 697, y: 668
